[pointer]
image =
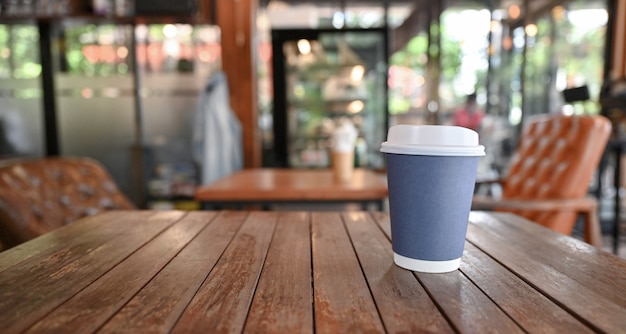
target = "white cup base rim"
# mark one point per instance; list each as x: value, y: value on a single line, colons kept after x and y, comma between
x: 426, y: 266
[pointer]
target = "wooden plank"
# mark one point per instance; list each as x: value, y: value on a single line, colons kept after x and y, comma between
x: 53, y: 242
x: 577, y: 259
x: 382, y: 220
x: 222, y: 303
x: 465, y: 305
x: 32, y: 290
x: 283, y: 302
x: 404, y: 305
x: 453, y: 292
x: 530, y: 309
x: 91, y: 307
x: 343, y: 302
x: 557, y: 266
x: 52, y: 249
x: 566, y: 253
x: 157, y: 307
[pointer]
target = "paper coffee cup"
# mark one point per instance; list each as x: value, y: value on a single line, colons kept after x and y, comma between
x: 431, y: 172
x: 344, y: 139
x: 343, y: 165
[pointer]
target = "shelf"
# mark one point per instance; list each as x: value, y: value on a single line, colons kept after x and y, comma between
x: 90, y: 18
x: 80, y: 10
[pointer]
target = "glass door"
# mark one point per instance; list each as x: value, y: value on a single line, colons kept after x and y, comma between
x: 322, y: 78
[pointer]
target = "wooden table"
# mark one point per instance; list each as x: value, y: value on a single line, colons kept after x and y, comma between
x: 301, y: 272
x: 268, y: 186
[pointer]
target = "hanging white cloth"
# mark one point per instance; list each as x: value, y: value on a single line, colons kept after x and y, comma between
x: 216, y: 137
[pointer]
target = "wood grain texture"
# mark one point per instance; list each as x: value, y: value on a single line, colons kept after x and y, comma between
x: 302, y: 272
x: 383, y: 221
x: 51, y: 243
x: 222, y: 303
x: 158, y: 306
x: 91, y: 307
x: 531, y: 310
x: 283, y: 302
x: 30, y: 292
x: 399, y: 297
x: 578, y: 277
x: 343, y: 302
x: 465, y: 306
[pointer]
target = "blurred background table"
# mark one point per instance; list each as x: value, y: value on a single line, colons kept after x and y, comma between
x: 269, y: 186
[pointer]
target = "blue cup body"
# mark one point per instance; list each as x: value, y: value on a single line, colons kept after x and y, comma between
x: 430, y: 198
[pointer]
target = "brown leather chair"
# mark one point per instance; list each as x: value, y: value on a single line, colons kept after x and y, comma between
x: 38, y: 196
x: 549, y: 175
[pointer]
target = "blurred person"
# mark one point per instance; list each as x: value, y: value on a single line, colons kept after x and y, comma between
x: 469, y: 115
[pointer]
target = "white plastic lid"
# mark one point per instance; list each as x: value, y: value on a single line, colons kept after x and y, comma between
x: 439, y: 140
x: 344, y: 137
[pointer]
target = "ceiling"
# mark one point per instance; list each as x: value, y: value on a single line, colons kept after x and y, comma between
x: 535, y: 6
x: 417, y: 18
x: 336, y: 2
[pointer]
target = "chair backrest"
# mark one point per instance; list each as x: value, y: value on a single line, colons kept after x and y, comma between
x: 37, y: 196
x: 556, y: 159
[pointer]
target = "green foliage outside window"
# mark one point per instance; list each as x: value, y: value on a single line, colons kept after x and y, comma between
x: 19, y: 52
x: 83, y: 40
x: 563, y: 53
x: 412, y: 58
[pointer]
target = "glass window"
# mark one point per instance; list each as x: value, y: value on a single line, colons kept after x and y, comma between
x: 95, y: 98
x: 21, y: 117
x: 98, y: 112
x: 175, y: 63
x: 565, y: 50
x: 407, y: 71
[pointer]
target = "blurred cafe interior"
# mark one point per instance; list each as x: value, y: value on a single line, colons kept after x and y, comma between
x: 124, y: 82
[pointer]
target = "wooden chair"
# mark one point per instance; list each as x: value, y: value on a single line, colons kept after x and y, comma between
x: 549, y: 175
x: 38, y: 196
